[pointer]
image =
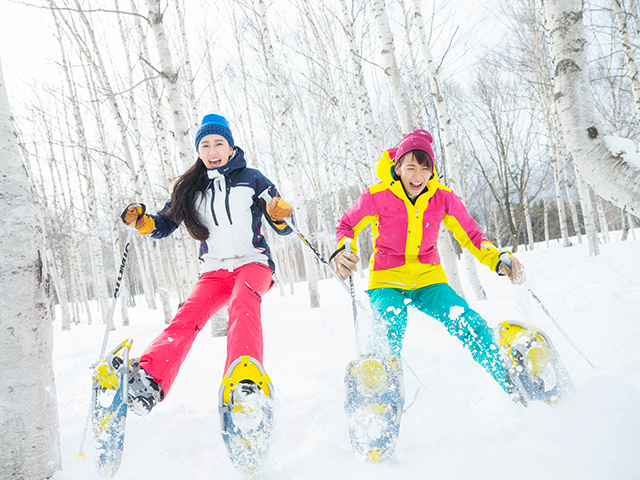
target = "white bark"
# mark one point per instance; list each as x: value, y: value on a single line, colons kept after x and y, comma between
x: 588, y: 215
x: 572, y: 204
x: 171, y: 82
x: 277, y: 80
x: 390, y: 65
x: 611, y: 177
x: 527, y: 216
x: 444, y: 122
x: 30, y: 446
x: 372, y: 137
x: 627, y: 46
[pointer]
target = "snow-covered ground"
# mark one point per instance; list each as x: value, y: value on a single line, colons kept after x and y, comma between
x: 461, y: 425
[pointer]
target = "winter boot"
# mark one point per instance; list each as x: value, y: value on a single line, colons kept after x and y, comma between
x: 144, y: 391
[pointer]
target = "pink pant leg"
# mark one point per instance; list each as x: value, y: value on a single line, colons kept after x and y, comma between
x: 245, y: 325
x: 163, y: 358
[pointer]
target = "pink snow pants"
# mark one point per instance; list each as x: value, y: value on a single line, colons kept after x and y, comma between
x: 242, y: 291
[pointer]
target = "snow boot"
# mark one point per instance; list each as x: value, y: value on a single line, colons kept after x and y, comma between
x: 534, y: 368
x: 144, y: 392
x: 374, y: 404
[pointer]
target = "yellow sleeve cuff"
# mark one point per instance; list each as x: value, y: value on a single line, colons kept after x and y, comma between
x: 148, y: 227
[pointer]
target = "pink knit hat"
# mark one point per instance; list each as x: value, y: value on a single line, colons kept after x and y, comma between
x: 416, y: 140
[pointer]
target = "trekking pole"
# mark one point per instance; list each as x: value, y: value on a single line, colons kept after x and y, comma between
x: 352, y: 292
x: 544, y: 309
x: 268, y: 198
x: 507, y: 261
x: 116, y: 290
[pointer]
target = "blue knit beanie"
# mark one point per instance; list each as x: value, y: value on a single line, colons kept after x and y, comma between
x: 214, y: 124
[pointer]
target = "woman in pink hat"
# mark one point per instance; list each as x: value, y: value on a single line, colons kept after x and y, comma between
x: 405, y: 210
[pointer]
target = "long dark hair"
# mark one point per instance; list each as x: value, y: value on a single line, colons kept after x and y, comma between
x: 183, y: 199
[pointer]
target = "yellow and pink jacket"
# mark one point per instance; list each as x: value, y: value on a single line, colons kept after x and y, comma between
x: 405, y: 235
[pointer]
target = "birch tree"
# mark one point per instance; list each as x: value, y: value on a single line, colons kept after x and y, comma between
x: 444, y: 123
x: 407, y: 124
x: 610, y: 176
x: 30, y: 446
x: 627, y: 46
x: 171, y: 81
x: 277, y: 80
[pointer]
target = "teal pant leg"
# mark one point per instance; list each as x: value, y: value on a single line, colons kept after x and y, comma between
x: 389, y: 307
x: 443, y: 303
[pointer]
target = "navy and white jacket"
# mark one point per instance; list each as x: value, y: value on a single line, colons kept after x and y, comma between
x: 231, y: 209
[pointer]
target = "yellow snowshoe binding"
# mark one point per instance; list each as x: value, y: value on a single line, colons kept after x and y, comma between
x: 106, y: 371
x: 532, y: 362
x: 245, y: 408
x: 374, y: 404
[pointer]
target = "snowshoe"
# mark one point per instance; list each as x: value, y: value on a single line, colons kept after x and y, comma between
x: 374, y: 404
x: 144, y: 391
x: 534, y: 368
x: 245, y: 404
x: 109, y: 411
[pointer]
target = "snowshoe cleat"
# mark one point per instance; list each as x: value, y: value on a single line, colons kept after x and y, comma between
x: 534, y: 368
x: 109, y: 407
x: 245, y: 404
x: 374, y: 404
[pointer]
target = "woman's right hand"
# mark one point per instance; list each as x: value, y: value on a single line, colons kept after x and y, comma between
x: 135, y: 213
x: 345, y: 263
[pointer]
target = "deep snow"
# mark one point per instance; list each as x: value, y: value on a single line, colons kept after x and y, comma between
x: 461, y: 425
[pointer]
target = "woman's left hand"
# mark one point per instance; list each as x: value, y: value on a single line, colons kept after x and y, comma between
x: 278, y: 210
x: 515, y: 272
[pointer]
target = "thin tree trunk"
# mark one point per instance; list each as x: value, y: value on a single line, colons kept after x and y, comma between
x: 171, y: 82
x: 627, y: 47
x: 588, y: 215
x: 444, y: 122
x: 290, y: 158
x: 390, y: 66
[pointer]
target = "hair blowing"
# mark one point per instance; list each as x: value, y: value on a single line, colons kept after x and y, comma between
x: 183, y: 200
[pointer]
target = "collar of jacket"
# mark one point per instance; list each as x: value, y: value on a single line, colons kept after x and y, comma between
x: 236, y: 162
x: 385, y: 169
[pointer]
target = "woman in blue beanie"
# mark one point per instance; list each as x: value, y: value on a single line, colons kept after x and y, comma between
x: 218, y: 200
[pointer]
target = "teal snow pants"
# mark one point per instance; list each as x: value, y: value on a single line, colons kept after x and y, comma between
x: 441, y: 302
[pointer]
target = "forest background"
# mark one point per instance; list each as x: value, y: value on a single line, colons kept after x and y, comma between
x: 106, y: 96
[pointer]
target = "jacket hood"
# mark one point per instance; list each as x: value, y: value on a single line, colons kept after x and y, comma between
x: 236, y: 162
x: 385, y: 170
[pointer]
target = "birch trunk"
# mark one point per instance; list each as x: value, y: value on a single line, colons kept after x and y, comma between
x: 444, y: 123
x: 545, y: 209
x: 372, y: 137
x: 527, y: 216
x: 390, y: 66
x: 588, y: 215
x: 627, y: 47
x: 602, y: 220
x: 290, y: 158
x: 30, y: 446
x: 611, y: 177
x: 171, y: 82
x: 572, y: 204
